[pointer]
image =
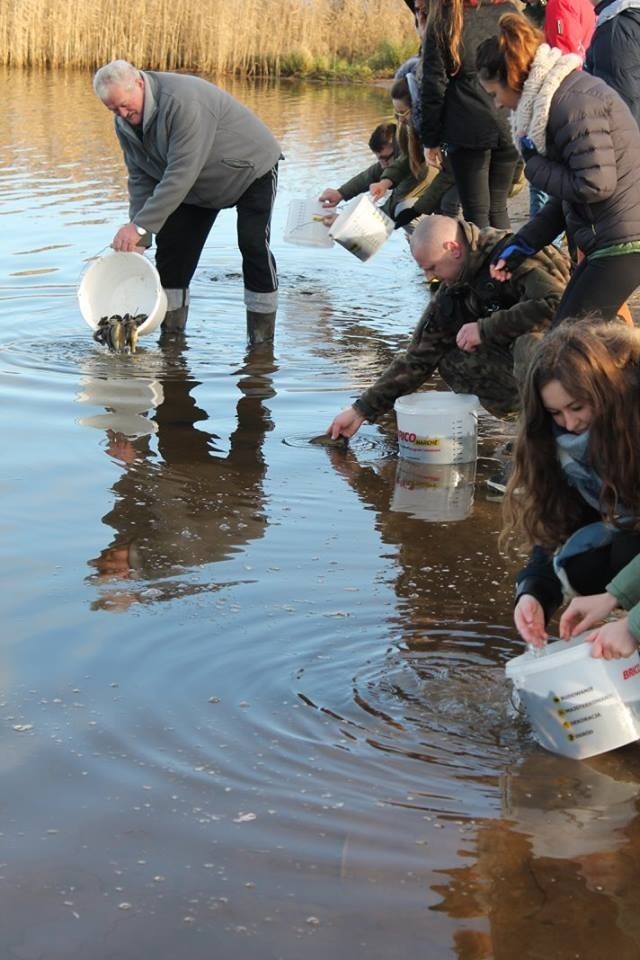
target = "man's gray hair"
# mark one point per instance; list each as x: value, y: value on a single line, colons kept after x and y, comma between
x: 118, y: 73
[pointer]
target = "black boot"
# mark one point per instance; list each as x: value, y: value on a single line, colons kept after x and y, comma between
x: 260, y: 327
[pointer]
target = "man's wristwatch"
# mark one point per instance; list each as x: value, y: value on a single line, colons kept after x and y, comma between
x: 140, y: 230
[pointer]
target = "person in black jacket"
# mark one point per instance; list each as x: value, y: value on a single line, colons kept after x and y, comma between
x: 581, y: 145
x: 458, y: 118
x: 614, y: 53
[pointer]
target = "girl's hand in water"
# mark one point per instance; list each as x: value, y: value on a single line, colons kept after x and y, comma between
x: 528, y: 617
x: 613, y: 641
x: 584, y: 612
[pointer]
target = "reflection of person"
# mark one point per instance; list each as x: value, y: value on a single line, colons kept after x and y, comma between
x: 580, y: 143
x: 555, y: 875
x: 473, y: 330
x: 457, y: 113
x: 190, y: 151
x: 190, y: 506
x: 574, y: 494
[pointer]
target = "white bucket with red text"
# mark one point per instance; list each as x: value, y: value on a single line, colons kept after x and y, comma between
x: 577, y: 705
x: 438, y: 427
x: 440, y: 492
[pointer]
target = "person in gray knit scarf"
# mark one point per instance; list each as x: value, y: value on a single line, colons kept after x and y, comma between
x: 581, y: 145
x: 191, y: 150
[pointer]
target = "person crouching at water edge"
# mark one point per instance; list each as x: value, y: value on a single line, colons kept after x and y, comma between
x: 574, y: 493
x: 475, y: 332
x: 190, y: 151
x: 581, y: 146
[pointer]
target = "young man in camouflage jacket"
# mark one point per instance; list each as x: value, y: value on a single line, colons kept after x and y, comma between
x: 475, y: 332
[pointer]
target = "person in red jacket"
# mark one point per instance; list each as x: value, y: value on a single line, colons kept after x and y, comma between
x: 569, y: 25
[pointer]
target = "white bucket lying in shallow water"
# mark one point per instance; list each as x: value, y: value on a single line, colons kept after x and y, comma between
x: 577, y: 705
x: 438, y: 427
x: 120, y: 283
x: 441, y: 492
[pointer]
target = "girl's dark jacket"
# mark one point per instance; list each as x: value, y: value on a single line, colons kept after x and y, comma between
x: 455, y: 109
x: 590, y: 170
x: 614, y: 54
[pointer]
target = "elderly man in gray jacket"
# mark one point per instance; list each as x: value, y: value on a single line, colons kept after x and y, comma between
x: 190, y: 151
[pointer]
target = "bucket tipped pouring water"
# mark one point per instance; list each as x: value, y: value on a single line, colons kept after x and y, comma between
x: 119, y: 283
x: 578, y: 705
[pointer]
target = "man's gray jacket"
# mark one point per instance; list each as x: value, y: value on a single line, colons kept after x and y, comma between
x: 198, y: 146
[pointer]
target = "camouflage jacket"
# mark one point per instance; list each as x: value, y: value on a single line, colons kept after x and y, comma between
x: 504, y: 311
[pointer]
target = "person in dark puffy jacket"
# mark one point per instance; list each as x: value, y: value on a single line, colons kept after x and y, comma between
x: 457, y: 115
x: 581, y: 145
x: 614, y: 53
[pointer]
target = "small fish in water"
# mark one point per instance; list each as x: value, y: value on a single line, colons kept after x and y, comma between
x: 326, y: 440
x: 119, y: 333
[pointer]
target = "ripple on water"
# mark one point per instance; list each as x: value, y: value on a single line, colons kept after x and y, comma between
x: 362, y: 443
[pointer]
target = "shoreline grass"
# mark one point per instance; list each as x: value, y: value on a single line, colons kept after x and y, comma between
x: 310, y: 39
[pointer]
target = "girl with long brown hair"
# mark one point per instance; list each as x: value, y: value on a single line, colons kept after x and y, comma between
x: 581, y: 145
x: 458, y: 119
x: 574, y: 493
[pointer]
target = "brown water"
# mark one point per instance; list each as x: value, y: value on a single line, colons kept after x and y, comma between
x: 250, y: 706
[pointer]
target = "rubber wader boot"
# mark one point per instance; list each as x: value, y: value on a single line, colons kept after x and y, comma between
x: 260, y: 327
x: 175, y: 319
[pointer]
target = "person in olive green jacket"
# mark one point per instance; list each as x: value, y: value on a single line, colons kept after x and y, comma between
x: 477, y: 333
x: 384, y: 145
x: 585, y: 613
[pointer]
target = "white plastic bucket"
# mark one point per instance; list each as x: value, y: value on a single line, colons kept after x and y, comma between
x: 361, y: 228
x: 438, y: 427
x: 577, y: 705
x: 436, y: 492
x: 304, y: 224
x: 120, y: 283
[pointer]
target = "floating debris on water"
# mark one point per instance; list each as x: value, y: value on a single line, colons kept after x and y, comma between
x: 119, y: 333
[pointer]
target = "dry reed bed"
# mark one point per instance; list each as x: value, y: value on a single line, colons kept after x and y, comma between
x: 209, y: 36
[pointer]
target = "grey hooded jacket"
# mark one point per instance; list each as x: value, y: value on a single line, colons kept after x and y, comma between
x: 198, y: 146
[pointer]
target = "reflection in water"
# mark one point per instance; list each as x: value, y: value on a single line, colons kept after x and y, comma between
x: 311, y: 742
x: 128, y: 400
x: 437, y: 492
x: 411, y: 503
x: 564, y: 852
x: 190, y: 506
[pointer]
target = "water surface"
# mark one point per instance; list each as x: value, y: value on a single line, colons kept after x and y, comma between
x: 252, y: 701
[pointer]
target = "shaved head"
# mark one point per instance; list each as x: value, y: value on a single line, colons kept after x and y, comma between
x: 439, y: 247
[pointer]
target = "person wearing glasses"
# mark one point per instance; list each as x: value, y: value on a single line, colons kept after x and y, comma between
x: 384, y: 144
x: 430, y: 190
x: 191, y: 150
